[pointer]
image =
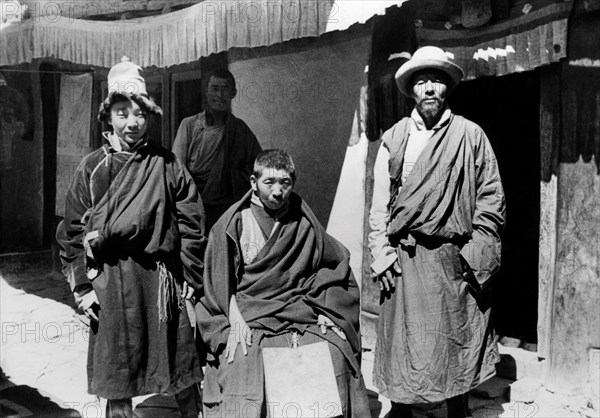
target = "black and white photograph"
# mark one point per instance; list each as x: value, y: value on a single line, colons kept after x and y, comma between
x: 300, y: 208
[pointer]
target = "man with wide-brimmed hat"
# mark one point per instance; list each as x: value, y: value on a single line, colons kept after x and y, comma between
x: 436, y: 218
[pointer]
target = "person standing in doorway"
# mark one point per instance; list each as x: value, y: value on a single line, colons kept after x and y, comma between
x: 437, y: 214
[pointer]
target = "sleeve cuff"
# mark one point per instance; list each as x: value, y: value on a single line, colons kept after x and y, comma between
x: 383, y: 262
x: 82, y: 289
x: 77, y: 277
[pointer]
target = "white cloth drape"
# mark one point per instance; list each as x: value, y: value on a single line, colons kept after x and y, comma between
x: 181, y: 36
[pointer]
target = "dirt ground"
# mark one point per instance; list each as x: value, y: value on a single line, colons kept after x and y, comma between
x: 44, y: 352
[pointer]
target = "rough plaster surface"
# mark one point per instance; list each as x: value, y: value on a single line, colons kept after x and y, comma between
x: 577, y: 289
x: 547, y: 262
x: 305, y: 102
x: 346, y: 220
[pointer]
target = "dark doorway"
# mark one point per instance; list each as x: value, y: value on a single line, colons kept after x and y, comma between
x: 19, y: 181
x: 507, y: 108
x: 50, y: 92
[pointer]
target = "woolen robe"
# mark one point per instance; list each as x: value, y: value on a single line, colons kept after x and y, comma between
x: 133, y: 231
x: 299, y: 273
x: 435, y: 339
x: 227, y: 177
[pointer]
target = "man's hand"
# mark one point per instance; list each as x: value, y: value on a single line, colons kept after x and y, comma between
x: 89, y: 304
x: 239, y: 331
x: 387, y: 279
x: 324, y: 322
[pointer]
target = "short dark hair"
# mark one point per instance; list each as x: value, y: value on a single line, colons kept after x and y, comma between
x: 145, y: 103
x: 222, y: 73
x: 274, y: 159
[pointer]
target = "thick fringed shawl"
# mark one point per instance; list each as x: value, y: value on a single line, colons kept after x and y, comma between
x: 454, y: 193
x: 300, y: 273
x: 149, y: 209
x: 138, y: 213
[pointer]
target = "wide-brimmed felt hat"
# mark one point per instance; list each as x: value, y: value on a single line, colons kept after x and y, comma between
x: 427, y: 57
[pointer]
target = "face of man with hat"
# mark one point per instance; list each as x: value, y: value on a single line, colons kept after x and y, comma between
x: 428, y: 77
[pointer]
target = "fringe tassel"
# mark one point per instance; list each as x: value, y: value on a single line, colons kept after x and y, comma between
x: 169, y: 292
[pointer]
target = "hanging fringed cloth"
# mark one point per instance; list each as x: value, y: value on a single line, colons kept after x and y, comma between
x: 579, y: 109
x: 169, y: 291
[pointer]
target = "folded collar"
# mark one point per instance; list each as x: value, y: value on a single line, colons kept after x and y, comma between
x: 114, y: 143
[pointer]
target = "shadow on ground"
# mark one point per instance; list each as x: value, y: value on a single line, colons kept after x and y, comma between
x: 34, y: 274
x: 25, y: 401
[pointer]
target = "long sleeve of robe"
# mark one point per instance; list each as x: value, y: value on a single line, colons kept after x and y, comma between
x: 482, y: 252
x: 384, y: 255
x: 70, y: 231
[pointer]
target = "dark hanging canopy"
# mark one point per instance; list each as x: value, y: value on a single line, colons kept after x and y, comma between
x: 581, y: 91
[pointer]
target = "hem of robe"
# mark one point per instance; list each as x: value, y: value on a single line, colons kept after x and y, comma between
x: 130, y: 352
x: 220, y: 403
x: 433, y: 276
x: 391, y: 392
x: 182, y: 384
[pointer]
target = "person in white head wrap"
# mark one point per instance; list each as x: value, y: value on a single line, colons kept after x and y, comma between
x: 132, y: 243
